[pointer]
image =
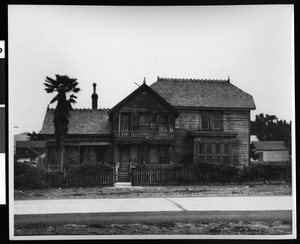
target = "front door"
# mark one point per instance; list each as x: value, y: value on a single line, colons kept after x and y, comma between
x: 124, y: 169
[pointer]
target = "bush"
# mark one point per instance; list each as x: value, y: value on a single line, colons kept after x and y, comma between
x: 90, y: 169
x: 56, y: 179
x: 28, y: 176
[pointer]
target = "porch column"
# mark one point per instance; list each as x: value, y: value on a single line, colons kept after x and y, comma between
x: 195, y: 151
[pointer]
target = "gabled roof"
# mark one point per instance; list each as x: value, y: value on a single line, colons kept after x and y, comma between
x: 82, y: 121
x: 269, y: 146
x: 202, y: 93
x: 143, y: 88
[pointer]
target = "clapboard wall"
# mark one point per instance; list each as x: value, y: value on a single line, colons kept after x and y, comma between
x: 235, y: 121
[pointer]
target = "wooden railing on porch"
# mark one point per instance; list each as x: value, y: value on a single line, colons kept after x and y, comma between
x: 144, y: 134
x: 53, y: 167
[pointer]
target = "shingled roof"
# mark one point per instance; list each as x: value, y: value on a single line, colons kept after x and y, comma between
x: 82, y: 121
x: 202, y: 93
x: 270, y: 146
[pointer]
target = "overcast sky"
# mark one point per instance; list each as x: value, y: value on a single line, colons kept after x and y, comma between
x: 117, y: 47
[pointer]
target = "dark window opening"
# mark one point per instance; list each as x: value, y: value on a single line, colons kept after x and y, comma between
x: 200, y: 148
x: 163, y: 154
x: 163, y: 123
x: 100, y: 153
x: 125, y: 121
x: 144, y: 122
x: 211, y: 120
x: 204, y: 120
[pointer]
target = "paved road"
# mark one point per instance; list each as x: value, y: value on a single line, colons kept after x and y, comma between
x: 152, y: 205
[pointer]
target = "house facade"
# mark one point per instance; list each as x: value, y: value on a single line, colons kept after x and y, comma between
x: 170, y: 121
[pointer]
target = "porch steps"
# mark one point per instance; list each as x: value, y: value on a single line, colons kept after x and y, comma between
x: 123, y: 177
x: 123, y: 184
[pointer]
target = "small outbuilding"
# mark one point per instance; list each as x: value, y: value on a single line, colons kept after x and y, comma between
x: 275, y: 152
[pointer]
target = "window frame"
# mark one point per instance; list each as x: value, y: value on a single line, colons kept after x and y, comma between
x: 215, y: 156
x: 145, y: 126
x: 163, y: 152
x: 210, y: 120
x: 121, y: 121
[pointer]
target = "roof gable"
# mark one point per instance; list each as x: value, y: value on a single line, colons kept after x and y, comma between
x: 82, y: 121
x: 143, y: 88
x: 269, y: 145
x: 203, y: 93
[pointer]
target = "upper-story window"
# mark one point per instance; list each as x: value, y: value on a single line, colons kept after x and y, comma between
x: 144, y: 122
x: 162, y: 122
x: 211, y: 120
x: 125, y: 121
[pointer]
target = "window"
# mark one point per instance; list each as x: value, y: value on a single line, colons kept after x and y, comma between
x: 204, y: 120
x: 100, y: 153
x: 201, y: 152
x: 211, y: 120
x: 213, y: 151
x: 217, y: 119
x: 163, y: 123
x: 201, y: 149
x: 163, y: 155
x: 217, y: 153
x: 209, y: 153
x: 225, y: 154
x: 125, y: 121
x: 144, y: 122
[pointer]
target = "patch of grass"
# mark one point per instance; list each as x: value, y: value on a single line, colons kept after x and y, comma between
x: 97, y: 225
x: 165, y: 224
x: 38, y: 194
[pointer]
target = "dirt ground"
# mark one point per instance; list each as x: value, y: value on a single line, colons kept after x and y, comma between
x: 203, y: 228
x: 251, y: 189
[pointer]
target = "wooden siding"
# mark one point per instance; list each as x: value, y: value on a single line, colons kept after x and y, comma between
x: 238, y: 122
x: 276, y: 156
x: 144, y: 103
x: 233, y: 121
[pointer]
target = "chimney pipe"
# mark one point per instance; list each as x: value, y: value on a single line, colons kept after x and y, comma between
x: 94, y: 98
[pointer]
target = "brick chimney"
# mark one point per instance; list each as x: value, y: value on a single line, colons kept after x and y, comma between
x: 94, y: 98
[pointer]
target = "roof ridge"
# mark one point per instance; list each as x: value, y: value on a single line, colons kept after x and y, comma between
x: 103, y: 109
x: 189, y: 79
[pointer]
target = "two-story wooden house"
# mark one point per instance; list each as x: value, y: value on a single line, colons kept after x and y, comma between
x: 204, y: 121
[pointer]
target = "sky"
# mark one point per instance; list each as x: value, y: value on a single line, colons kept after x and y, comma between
x: 117, y: 47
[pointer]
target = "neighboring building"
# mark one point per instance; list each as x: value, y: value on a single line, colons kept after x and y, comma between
x: 29, y: 151
x: 202, y: 121
x: 271, y: 151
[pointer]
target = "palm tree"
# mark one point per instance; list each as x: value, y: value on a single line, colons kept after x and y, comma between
x: 63, y: 85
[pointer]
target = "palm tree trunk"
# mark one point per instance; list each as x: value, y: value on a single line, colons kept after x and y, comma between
x: 62, y: 154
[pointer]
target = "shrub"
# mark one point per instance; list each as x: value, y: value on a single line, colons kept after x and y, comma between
x: 28, y: 176
x: 90, y: 169
x: 56, y: 179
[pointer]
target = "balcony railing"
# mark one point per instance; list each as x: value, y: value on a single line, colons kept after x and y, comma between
x: 150, y: 134
x: 53, y: 168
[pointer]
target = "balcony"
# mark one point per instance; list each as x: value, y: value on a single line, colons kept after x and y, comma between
x: 144, y: 134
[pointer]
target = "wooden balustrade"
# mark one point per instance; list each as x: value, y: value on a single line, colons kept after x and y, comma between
x: 144, y: 134
x: 53, y: 168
